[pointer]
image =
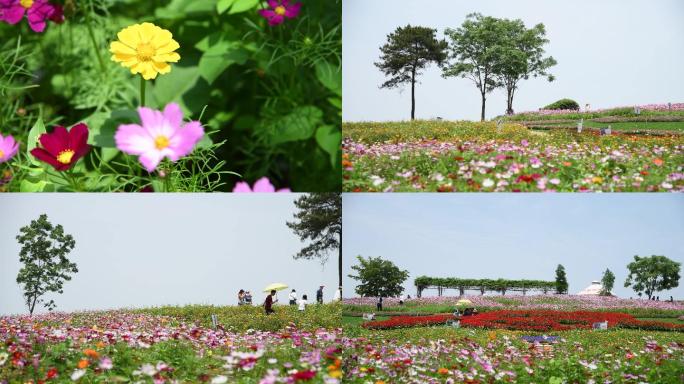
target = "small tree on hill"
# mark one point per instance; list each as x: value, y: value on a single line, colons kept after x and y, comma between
x: 408, y: 50
x: 607, y: 282
x: 475, y: 49
x: 44, y: 250
x: 319, y: 220
x: 378, y: 277
x: 561, y: 280
x: 521, y: 56
x: 652, y: 274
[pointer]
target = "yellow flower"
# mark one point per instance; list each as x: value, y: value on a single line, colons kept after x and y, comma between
x: 146, y: 49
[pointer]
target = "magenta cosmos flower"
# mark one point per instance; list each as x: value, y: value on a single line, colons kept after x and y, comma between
x: 261, y: 185
x: 280, y: 9
x: 8, y: 148
x: 162, y: 134
x: 63, y: 148
x: 38, y: 12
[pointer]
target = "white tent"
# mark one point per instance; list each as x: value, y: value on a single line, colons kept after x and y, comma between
x: 593, y: 289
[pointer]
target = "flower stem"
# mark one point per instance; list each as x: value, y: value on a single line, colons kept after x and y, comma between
x: 142, y: 91
x: 97, y: 51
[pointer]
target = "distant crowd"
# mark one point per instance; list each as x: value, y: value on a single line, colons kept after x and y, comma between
x: 245, y: 298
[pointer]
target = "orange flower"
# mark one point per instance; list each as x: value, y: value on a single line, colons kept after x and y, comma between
x: 347, y: 164
x: 100, y: 344
x: 91, y: 353
x: 658, y: 161
x: 443, y: 371
x: 567, y: 163
x: 83, y: 364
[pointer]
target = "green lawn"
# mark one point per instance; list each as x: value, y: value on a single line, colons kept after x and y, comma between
x: 627, y: 126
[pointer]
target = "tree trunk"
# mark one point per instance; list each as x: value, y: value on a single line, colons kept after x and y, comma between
x: 339, y: 265
x: 413, y: 93
x: 484, y: 99
x: 509, y: 100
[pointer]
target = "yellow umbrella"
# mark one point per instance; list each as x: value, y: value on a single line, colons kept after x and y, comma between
x: 463, y: 301
x: 276, y: 287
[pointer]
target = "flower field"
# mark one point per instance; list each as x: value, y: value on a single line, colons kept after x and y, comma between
x: 444, y: 355
x: 170, y: 96
x: 179, y: 346
x: 463, y: 156
x: 521, y: 339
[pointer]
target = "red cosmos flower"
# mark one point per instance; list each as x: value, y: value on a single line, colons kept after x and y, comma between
x: 280, y: 9
x: 303, y: 375
x: 62, y: 149
x: 51, y: 373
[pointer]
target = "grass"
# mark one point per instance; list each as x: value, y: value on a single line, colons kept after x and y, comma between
x: 624, y: 126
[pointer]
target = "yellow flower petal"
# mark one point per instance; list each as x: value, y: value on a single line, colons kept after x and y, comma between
x: 172, y: 57
x: 129, y: 36
x: 162, y: 68
x: 168, y: 47
x: 161, y: 38
x: 148, y: 31
x: 118, y: 47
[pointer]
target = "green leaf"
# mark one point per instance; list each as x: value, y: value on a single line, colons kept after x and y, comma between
x: 27, y: 186
x: 299, y: 124
x: 242, y: 6
x: 329, y: 138
x: 35, y: 132
x: 104, y: 135
x: 330, y: 76
x: 178, y: 9
x: 219, y: 57
x: 173, y: 86
x: 236, y: 6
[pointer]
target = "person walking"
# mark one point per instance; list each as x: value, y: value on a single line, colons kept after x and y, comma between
x: 268, y: 303
x: 293, y: 297
x: 248, y: 298
x: 379, y: 304
x: 241, y: 297
x: 319, y: 295
x: 302, y: 303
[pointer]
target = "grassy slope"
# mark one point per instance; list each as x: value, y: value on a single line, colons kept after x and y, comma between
x: 626, y: 126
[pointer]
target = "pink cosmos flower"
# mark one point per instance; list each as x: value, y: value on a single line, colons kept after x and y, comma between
x: 280, y: 9
x: 37, y: 12
x: 8, y: 148
x: 160, y: 135
x: 261, y: 185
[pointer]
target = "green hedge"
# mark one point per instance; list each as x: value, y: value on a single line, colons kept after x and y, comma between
x: 500, y: 285
x: 564, y: 104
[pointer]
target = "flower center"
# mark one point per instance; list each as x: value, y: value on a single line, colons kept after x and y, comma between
x: 145, y: 51
x: 161, y: 142
x: 279, y: 10
x: 65, y: 156
x: 26, y: 3
x: 2, y: 154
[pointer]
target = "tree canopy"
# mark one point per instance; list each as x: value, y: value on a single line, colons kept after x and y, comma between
x: 561, y: 280
x: 43, y: 254
x: 319, y: 221
x: 408, y: 50
x: 652, y: 274
x: 607, y: 282
x: 378, y: 277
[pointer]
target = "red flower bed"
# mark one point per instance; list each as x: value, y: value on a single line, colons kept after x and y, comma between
x: 408, y: 321
x: 546, y: 320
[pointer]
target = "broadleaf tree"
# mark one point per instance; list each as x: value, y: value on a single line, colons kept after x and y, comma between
x: 475, y: 53
x: 652, y: 274
x: 45, y: 266
x: 607, y: 282
x: 561, y: 280
x: 520, y: 56
x: 378, y: 277
x: 409, y: 50
x: 319, y: 221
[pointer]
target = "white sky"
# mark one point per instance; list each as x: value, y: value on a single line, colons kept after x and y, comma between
x: 136, y: 250
x: 610, y: 53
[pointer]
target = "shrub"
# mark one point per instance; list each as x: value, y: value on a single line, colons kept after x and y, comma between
x: 564, y: 104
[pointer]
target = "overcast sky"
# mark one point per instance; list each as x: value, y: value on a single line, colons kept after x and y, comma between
x: 513, y: 236
x: 136, y: 250
x: 609, y: 52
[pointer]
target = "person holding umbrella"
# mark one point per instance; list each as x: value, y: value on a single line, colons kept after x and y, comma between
x: 268, y: 303
x: 271, y: 298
